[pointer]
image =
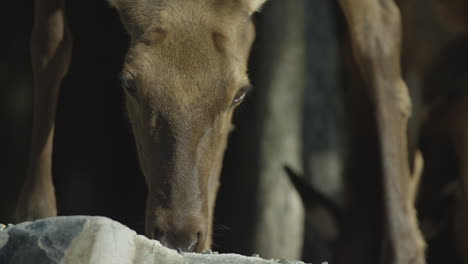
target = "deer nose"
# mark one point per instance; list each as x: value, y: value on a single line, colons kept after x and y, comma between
x: 181, y: 241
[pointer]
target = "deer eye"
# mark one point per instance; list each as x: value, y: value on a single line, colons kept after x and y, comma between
x: 128, y: 84
x: 241, y: 94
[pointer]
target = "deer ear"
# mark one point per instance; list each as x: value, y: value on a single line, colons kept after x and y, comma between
x: 114, y: 3
x: 253, y: 5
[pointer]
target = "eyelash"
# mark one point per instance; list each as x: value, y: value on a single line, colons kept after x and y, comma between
x: 128, y: 84
x: 241, y: 94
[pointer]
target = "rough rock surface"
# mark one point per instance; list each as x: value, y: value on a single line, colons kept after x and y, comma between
x: 96, y: 240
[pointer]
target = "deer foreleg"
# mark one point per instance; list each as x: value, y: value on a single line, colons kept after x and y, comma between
x: 50, y: 56
x: 375, y: 28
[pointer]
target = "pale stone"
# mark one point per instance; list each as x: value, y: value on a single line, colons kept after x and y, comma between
x: 96, y: 240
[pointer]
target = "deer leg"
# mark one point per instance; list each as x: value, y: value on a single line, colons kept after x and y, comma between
x: 50, y: 57
x: 459, y: 133
x: 375, y: 30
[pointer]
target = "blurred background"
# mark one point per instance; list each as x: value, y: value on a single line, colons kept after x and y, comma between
x: 301, y: 114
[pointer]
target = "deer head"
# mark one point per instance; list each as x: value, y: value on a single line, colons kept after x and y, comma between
x: 184, y: 74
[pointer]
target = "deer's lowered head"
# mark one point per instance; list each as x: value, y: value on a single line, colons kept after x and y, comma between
x: 184, y: 74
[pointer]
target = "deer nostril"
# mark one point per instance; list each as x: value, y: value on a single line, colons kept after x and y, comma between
x: 195, y: 242
x: 188, y: 238
x: 188, y: 244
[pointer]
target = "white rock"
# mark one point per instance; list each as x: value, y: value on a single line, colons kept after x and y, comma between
x: 96, y: 240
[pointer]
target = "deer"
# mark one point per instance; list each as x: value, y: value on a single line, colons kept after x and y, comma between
x: 184, y: 74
